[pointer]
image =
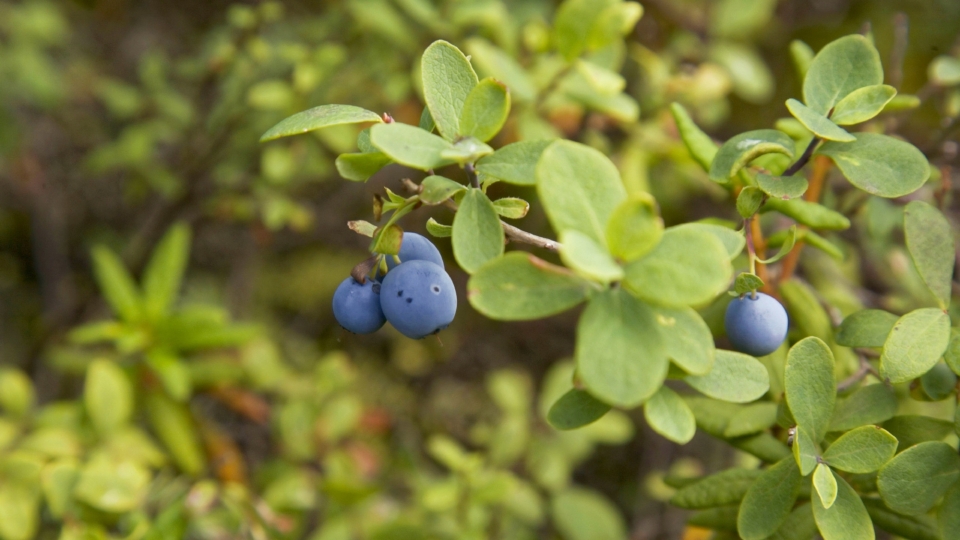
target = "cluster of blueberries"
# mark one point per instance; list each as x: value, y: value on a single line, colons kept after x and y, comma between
x: 756, y: 324
x: 416, y: 295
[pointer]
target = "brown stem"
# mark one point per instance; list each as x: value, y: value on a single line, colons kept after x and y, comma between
x: 760, y: 245
x: 861, y: 373
x: 820, y: 167
x: 804, y: 158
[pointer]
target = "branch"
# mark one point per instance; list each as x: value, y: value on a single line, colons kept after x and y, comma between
x: 804, y: 158
x: 514, y: 234
x: 864, y: 370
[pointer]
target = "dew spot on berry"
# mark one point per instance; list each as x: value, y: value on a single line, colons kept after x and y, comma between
x: 409, y: 300
x: 435, y: 289
x: 399, y: 294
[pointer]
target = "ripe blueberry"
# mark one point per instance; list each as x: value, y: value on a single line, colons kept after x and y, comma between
x: 416, y: 247
x: 756, y: 325
x: 357, y: 306
x: 418, y: 298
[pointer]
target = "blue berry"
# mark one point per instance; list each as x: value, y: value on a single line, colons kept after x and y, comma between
x: 357, y: 306
x: 756, y: 326
x: 416, y: 247
x: 418, y: 298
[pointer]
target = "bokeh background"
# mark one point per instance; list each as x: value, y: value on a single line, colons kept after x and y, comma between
x: 119, y: 119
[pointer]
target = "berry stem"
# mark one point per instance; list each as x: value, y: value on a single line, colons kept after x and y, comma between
x: 472, y: 175
x: 751, y: 251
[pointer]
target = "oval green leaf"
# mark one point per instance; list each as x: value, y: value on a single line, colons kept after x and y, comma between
x: 808, y: 213
x: 669, y: 415
x: 847, y: 519
x: 862, y: 450
x: 862, y: 104
x: 485, y: 110
x: 783, y: 187
x: 698, y: 143
x: 448, y: 78
x: 586, y: 257
x: 721, y: 489
x: 437, y: 189
x: 866, y: 328
x: 769, y: 500
x: 519, y: 287
x: 107, y: 396
x: 320, y: 117
x: 820, y: 125
x: 931, y: 246
x: 634, y: 228
x: 687, y: 338
x: 575, y: 409
x: 515, y: 163
x: 735, y: 377
x: 879, y: 164
x: 825, y: 485
x: 359, y: 167
x: 477, y: 233
x: 810, y: 386
x: 842, y: 66
x: 914, y: 481
x: 410, y: 145
x: 620, y: 354
x: 740, y: 150
x: 872, y: 404
x: 917, y: 341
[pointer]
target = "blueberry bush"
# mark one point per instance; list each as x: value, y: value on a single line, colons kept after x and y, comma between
x: 650, y: 301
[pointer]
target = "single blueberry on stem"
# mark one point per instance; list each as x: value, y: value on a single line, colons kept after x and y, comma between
x: 356, y: 306
x: 418, y: 298
x: 756, y: 324
x: 416, y: 247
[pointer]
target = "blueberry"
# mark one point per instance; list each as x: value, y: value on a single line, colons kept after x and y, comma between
x: 357, y: 306
x: 756, y: 325
x: 418, y: 298
x: 416, y: 247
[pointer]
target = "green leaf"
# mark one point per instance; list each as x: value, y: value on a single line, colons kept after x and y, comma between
x: 749, y: 201
x: 917, y: 341
x: 879, y: 165
x: 847, y: 519
x: 519, y: 286
x: 785, y: 248
x: 912, y: 527
x: 511, y: 207
x: 783, y: 187
x: 612, y: 23
x: 810, y: 385
x: 949, y: 514
x: 439, y: 230
x: 753, y: 418
x: 437, y: 189
x: 485, y: 110
x: 172, y: 372
x: 17, y: 396
x: 820, y: 125
x: 426, y: 123
x: 575, y: 409
x: 619, y: 351
x: 740, y: 150
x: 862, y: 104
x: 862, y: 450
x: 769, y: 500
x: 116, y: 284
x: 698, y: 143
x: 913, y: 481
x: 448, y: 78
x: 600, y: 78
x: 723, y: 488
x: 944, y: 70
x: 164, y: 272
x: 746, y: 282
x: 825, y: 484
x: 738, y: 18
x: 586, y: 257
x: 914, y: 429
x: 799, y: 525
x: 19, y: 511
x: 806, y: 451
x: 723, y: 519
x: 747, y: 69
x: 57, y: 480
x: 579, y: 188
x: 732, y: 241
x: 735, y: 377
x: 493, y: 61
x: 871, y: 404
x: 866, y: 328
x: 387, y: 240
x: 477, y: 233
x: 688, y: 267
x: 107, y: 396
x: 410, y: 145
x: 515, y: 163
x: 808, y: 213
x: 669, y: 415
x: 634, y: 228
x: 939, y: 383
x: 173, y: 425
x: 580, y: 514
x: 842, y: 66
x: 359, y: 167
x: 320, y: 117
x: 802, y: 56
x: 931, y: 246
x: 112, y: 486
x: 952, y: 355
x: 573, y: 22
x: 689, y: 342
x: 466, y: 150
x: 902, y: 102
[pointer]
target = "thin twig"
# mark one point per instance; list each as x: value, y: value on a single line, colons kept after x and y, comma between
x: 514, y: 234
x: 472, y: 175
x: 804, y: 158
x: 861, y: 373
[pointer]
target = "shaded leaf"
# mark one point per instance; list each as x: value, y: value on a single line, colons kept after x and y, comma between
x: 485, y: 110
x: 866, y: 328
x: 575, y: 409
x: 689, y: 342
x: 107, y: 396
x: 585, y: 256
x: 915, y: 344
x: 116, y: 284
x: 723, y: 488
x: 735, y: 377
x: 164, y: 272
x: 818, y: 124
x: 634, y: 228
x: 913, y: 481
x: 784, y: 187
x: 871, y: 404
x: 862, y: 104
x: 477, y: 233
x: 931, y: 246
x: 669, y: 415
x: 879, y: 165
x: 320, y: 117
x: 825, y: 485
x: 862, y: 450
x: 410, y: 146
x: 842, y: 66
x: 359, y: 167
x: 740, y: 150
x: 519, y: 286
x: 437, y: 189
x: 808, y: 213
x: 769, y: 500
x: 580, y: 514
x: 698, y: 143
x: 810, y: 386
x: 847, y: 519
